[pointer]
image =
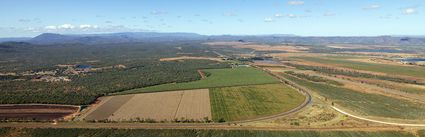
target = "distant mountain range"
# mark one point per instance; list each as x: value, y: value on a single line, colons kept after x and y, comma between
x: 14, y: 39
x: 127, y: 37
x: 51, y: 38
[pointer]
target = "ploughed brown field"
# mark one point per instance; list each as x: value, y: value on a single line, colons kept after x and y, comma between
x: 36, y: 112
x: 161, y: 106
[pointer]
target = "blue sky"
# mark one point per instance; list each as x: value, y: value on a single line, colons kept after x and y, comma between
x: 214, y: 17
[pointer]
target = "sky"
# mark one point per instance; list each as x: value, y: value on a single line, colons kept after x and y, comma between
x: 28, y: 18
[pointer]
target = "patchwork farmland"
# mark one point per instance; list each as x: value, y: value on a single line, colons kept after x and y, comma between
x: 240, y: 93
x: 162, y: 106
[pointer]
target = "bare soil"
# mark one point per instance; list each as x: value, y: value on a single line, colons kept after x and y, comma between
x: 37, y: 112
x: 202, y: 74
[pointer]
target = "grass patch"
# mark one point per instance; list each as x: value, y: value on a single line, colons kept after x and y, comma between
x: 246, y: 102
x: 62, y: 132
x: 375, y: 67
x: 364, y: 103
x: 218, y: 78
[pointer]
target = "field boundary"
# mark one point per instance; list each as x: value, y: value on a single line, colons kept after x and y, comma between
x: 170, y: 90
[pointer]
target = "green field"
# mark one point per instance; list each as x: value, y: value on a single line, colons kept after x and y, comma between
x: 375, y: 67
x: 192, y: 133
x: 218, y: 78
x: 247, y: 102
x: 365, y: 104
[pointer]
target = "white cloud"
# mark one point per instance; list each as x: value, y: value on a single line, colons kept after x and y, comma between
x: 371, y: 7
x: 269, y: 20
x: 85, y: 26
x: 229, y: 14
x: 66, y: 26
x: 278, y: 15
x: 158, y: 12
x: 24, y: 20
x: 88, y: 26
x: 50, y: 27
x: 409, y: 11
x: 85, y: 29
x: 296, y: 3
x: 291, y: 15
x: 329, y: 14
x: 69, y: 27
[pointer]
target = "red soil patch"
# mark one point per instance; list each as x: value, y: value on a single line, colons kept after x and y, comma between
x: 36, y: 112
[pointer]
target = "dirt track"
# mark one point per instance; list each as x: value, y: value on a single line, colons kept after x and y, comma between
x: 377, y: 121
x: 202, y: 74
x: 187, y: 126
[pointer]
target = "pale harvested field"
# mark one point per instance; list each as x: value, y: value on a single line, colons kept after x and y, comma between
x: 383, y: 54
x: 357, y: 46
x: 261, y: 47
x: 293, y: 49
x: 226, y: 43
x: 195, y: 105
x: 191, y: 58
x: 160, y: 106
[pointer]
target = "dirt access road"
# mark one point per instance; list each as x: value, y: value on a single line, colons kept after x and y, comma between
x: 377, y: 121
